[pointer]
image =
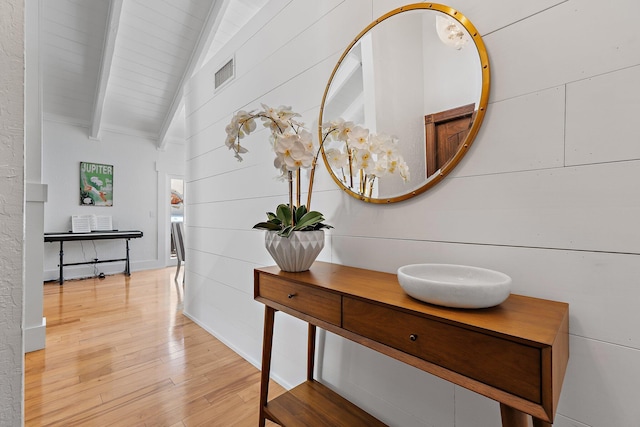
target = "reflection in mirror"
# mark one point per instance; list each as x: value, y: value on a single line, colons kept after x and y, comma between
x: 420, y: 74
x: 444, y: 133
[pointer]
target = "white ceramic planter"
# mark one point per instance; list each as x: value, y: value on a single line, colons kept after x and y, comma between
x: 296, y: 252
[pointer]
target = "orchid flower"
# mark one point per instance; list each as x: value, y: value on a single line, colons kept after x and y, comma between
x: 363, y: 155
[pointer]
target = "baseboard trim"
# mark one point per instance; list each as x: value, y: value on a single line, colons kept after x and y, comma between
x: 35, y: 337
x: 87, y: 271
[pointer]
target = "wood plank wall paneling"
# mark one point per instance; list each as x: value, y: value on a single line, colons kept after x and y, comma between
x: 598, y: 131
x: 274, y: 69
x: 120, y: 352
x: 500, y: 147
x: 276, y: 27
x: 600, y: 40
x: 546, y: 194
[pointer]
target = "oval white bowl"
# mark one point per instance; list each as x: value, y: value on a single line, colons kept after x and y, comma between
x: 451, y: 285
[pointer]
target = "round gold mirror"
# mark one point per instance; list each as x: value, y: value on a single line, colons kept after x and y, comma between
x: 404, y: 103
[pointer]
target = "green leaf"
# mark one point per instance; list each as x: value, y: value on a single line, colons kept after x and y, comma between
x: 300, y: 211
x: 281, y: 221
x: 267, y: 226
x: 309, y: 220
x: 320, y: 226
x: 285, y: 232
x: 271, y: 216
x: 283, y: 212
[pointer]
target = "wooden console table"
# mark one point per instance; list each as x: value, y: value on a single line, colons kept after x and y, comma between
x: 94, y: 235
x: 515, y: 353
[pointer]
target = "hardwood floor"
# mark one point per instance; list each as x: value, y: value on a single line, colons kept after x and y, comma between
x: 120, y: 352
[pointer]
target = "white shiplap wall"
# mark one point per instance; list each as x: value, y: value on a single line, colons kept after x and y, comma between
x: 548, y: 194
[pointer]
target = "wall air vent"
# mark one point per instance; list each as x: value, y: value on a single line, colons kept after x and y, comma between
x: 224, y: 74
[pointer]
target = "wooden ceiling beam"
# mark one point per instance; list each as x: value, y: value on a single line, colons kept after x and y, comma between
x: 108, y: 49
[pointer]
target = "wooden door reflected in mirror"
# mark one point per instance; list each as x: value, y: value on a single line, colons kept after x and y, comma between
x: 444, y: 133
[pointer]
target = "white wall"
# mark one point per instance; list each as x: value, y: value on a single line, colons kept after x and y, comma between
x: 140, y: 172
x: 547, y: 194
x: 11, y: 211
x: 453, y: 76
x: 399, y: 59
x: 35, y: 190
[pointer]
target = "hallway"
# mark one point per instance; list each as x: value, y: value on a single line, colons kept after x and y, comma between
x: 120, y: 353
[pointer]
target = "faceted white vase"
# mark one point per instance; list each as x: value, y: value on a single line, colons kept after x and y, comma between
x: 296, y: 252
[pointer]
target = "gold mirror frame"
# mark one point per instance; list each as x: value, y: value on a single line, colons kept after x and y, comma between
x: 477, y: 122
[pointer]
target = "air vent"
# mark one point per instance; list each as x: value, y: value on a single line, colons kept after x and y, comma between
x: 224, y: 74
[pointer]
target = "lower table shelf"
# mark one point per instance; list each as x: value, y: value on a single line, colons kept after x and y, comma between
x: 313, y: 404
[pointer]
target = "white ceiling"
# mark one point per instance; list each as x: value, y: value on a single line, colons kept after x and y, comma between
x: 120, y: 65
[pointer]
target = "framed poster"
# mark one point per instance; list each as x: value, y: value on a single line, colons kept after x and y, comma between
x: 96, y: 184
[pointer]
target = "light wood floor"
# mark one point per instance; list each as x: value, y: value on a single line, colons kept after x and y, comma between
x: 120, y: 352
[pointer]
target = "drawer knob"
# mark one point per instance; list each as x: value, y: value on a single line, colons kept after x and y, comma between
x: 291, y: 296
x: 413, y: 337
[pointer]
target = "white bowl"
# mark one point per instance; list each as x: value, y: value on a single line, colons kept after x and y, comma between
x: 452, y: 285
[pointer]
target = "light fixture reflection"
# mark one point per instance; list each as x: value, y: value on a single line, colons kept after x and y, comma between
x: 450, y: 32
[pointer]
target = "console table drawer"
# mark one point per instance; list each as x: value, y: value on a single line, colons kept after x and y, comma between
x: 499, y: 362
x: 308, y: 300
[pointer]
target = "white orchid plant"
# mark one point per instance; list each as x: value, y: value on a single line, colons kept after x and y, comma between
x: 362, y: 157
x: 367, y: 155
x: 295, y: 150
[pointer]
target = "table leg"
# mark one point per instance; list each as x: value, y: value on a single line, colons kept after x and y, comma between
x: 267, y: 344
x: 127, y: 269
x: 311, y: 351
x: 539, y: 423
x: 512, y: 417
x: 61, y: 278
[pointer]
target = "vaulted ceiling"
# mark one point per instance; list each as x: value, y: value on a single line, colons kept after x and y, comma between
x: 120, y: 65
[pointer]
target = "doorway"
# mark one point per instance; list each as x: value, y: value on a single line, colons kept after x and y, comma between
x: 176, y: 209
